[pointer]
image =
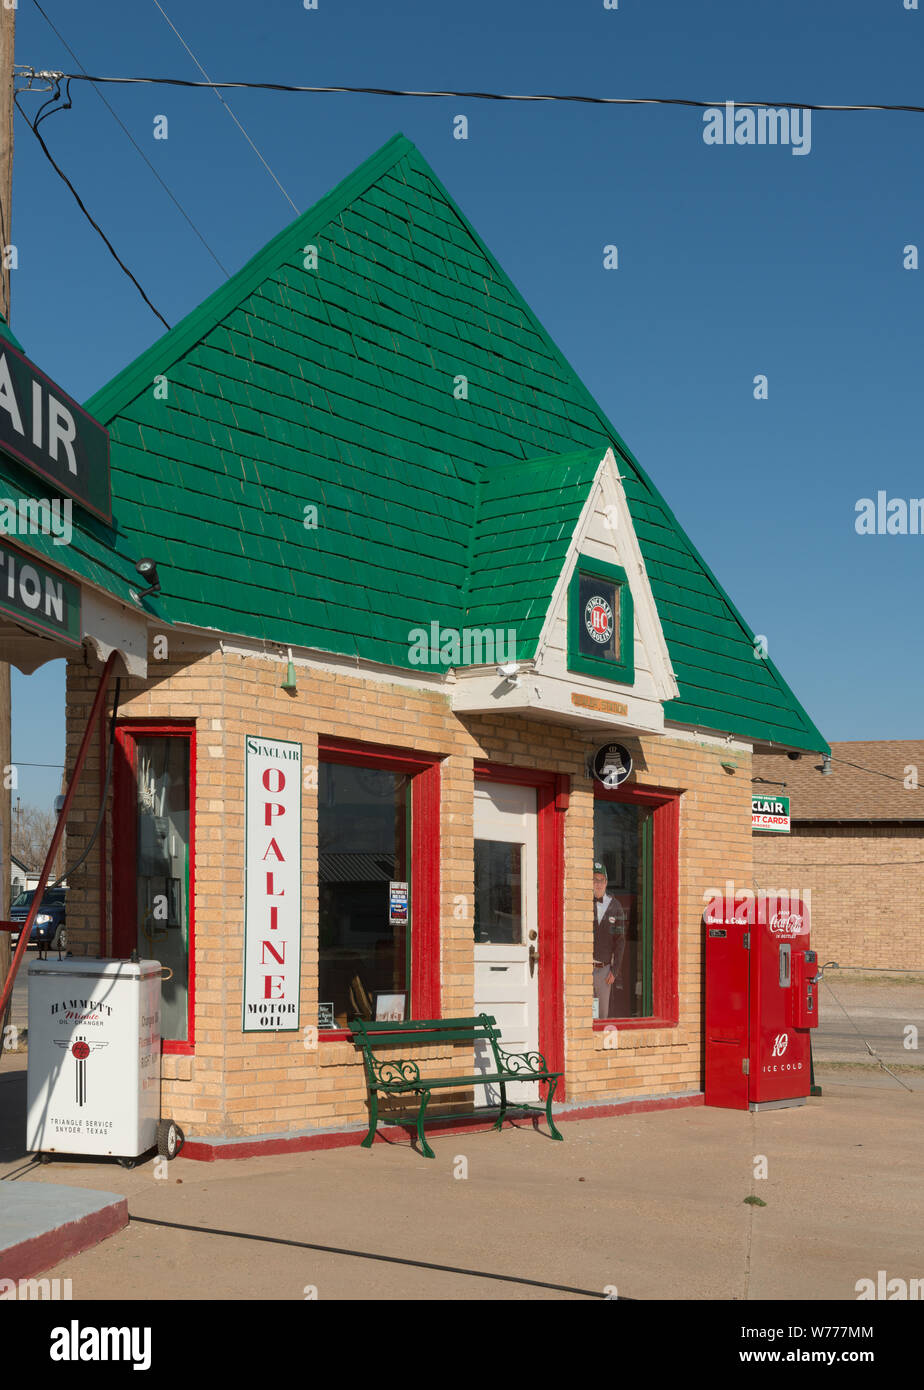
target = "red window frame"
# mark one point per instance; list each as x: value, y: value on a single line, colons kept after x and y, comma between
x: 552, y: 796
x: 424, y: 772
x: 665, y: 894
x: 124, y: 853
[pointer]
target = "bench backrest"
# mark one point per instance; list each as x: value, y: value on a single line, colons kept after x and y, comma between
x: 370, y: 1036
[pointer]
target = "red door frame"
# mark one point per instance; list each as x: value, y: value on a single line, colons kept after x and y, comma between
x: 552, y: 793
x: 424, y: 772
x: 665, y: 887
x: 125, y: 852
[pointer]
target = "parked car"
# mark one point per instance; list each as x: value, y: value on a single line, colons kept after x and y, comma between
x: 50, y: 916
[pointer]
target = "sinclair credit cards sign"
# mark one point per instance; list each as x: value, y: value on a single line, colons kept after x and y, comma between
x: 770, y: 813
x: 48, y: 432
x: 273, y: 884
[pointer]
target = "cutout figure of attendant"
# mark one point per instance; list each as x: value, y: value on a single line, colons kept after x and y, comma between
x: 609, y: 941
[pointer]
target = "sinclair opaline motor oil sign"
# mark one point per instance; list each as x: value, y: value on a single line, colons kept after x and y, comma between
x: 273, y: 904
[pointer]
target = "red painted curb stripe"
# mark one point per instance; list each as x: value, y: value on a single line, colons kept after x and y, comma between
x: 38, y: 1253
x: 205, y: 1151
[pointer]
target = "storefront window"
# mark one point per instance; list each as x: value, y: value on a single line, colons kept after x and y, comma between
x: 152, y: 908
x: 364, y: 891
x: 622, y: 909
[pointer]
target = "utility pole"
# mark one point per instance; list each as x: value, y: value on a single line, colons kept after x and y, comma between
x: 7, y: 44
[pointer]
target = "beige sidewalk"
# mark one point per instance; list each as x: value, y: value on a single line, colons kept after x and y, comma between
x: 652, y: 1205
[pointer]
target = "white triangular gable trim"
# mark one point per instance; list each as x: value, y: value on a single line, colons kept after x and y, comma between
x: 607, y: 495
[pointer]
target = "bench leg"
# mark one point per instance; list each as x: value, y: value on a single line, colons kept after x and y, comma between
x: 548, y: 1109
x: 424, y: 1146
x: 499, y: 1122
x: 373, y: 1120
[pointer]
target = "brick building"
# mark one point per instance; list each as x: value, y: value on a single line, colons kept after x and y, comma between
x: 857, y: 844
x: 411, y: 579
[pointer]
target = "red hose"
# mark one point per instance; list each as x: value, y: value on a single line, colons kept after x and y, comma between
x: 26, y: 930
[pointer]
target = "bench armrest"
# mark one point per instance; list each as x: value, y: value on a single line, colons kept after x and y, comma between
x: 522, y: 1063
x: 389, y: 1073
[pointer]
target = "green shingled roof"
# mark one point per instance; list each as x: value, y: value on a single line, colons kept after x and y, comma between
x: 525, y: 517
x: 338, y: 387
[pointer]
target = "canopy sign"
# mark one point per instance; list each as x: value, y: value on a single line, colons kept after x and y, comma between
x: 770, y: 813
x: 42, y: 427
x: 37, y: 597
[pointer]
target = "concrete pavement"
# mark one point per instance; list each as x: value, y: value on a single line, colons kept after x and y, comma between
x: 651, y: 1205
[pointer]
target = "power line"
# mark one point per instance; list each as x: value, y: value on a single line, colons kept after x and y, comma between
x: 475, y: 96
x: 234, y: 118
x: 873, y: 772
x: 80, y: 203
x: 117, y: 118
x: 833, y: 757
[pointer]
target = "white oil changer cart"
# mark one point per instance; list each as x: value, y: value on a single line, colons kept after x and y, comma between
x: 94, y: 1060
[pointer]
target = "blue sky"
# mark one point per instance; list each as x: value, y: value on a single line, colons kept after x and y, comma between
x: 734, y: 261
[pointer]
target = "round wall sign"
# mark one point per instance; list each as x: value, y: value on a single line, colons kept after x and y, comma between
x: 612, y: 764
x: 598, y: 619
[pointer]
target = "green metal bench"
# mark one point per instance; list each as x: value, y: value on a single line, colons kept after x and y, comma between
x: 402, y: 1076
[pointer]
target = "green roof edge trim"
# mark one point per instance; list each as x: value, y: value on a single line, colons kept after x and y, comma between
x: 7, y: 334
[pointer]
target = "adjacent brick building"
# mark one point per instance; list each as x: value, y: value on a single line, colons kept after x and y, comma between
x: 411, y: 579
x: 857, y: 844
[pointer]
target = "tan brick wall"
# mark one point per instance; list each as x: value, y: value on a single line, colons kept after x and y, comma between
x: 242, y: 1084
x: 867, y: 887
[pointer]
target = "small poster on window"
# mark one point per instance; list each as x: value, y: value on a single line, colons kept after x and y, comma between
x: 390, y: 1008
x: 397, y: 903
x: 326, y: 1016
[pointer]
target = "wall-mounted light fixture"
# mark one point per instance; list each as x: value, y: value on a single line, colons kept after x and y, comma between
x: 289, y: 682
x: 148, y: 570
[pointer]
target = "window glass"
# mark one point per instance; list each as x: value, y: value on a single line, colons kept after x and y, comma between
x: 364, y: 927
x: 162, y: 870
x: 498, y: 892
x: 622, y: 910
x: 598, y: 632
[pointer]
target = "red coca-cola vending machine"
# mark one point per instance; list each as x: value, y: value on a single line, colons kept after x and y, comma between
x: 761, y: 1001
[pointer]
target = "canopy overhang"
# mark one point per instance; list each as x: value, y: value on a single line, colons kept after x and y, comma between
x: 106, y: 626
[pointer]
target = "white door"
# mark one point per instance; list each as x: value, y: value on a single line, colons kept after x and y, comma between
x: 506, y: 928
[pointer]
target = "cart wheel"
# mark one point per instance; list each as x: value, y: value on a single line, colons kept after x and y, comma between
x: 127, y: 1162
x: 170, y: 1139
x: 45, y: 1158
